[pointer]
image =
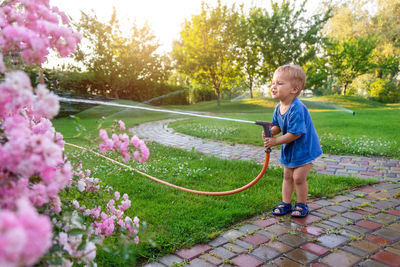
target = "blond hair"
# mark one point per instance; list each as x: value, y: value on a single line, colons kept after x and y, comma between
x: 297, y: 76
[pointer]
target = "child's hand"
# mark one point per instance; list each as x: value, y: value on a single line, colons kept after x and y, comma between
x: 270, y: 142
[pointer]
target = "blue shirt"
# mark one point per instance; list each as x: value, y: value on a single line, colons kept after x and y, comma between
x: 297, y: 120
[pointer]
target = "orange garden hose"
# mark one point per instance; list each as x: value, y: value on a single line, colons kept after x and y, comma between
x: 261, y: 174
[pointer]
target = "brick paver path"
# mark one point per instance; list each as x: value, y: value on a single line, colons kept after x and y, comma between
x: 360, y: 228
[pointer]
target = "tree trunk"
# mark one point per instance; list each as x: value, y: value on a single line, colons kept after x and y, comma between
x: 251, y: 87
x: 344, y: 89
x: 217, y: 94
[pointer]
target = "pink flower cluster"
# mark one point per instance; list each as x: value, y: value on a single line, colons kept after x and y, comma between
x: 32, y: 27
x: 16, y: 94
x: 25, y: 236
x: 128, y: 148
x: 31, y: 162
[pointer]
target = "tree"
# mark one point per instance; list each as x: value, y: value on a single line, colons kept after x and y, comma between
x: 286, y: 35
x: 127, y: 65
x: 350, y: 58
x: 205, y: 52
x: 249, y: 51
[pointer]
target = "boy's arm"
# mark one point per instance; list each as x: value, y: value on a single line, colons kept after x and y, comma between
x: 284, y: 139
x: 275, y: 130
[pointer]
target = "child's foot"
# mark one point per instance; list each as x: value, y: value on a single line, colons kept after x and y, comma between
x: 282, y: 208
x: 300, y: 210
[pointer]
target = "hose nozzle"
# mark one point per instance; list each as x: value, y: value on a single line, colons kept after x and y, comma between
x: 267, y: 130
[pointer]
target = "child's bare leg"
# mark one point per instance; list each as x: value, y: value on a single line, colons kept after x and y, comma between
x: 287, y: 186
x: 300, y: 182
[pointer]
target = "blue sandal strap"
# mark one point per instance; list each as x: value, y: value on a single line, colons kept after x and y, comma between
x: 302, y: 208
x: 283, y: 208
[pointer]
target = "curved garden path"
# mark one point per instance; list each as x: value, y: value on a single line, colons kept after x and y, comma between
x: 364, y: 167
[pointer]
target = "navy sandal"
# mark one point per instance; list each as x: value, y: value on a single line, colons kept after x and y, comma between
x: 302, y: 209
x: 283, y: 208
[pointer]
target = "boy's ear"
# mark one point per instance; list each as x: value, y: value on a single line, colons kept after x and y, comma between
x: 296, y: 90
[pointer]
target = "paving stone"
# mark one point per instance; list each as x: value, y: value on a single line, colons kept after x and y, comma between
x: 211, y: 259
x: 349, y: 204
x: 340, y: 220
x: 383, y: 205
x: 352, y: 216
x: 309, y: 219
x: 313, y: 206
x: 277, y: 229
x: 243, y: 244
x: 377, y: 240
x: 222, y: 253
x: 234, y: 248
x: 364, y: 245
x: 154, y: 264
x: 393, y: 250
x: 355, y: 251
x: 255, y: 239
x: 372, y: 263
x: 265, y: 253
x: 388, y: 234
x: 323, y: 202
x: 248, y: 228
x: 199, y: 263
x: 330, y: 223
x: 340, y: 198
x: 318, y: 264
x: 313, y: 230
x: 319, y: 214
x: 384, y: 218
x: 331, y: 241
x: 368, y: 225
x: 340, y: 258
x: 219, y: 241
x: 266, y: 233
x: 371, y: 210
x: 327, y: 212
x: 326, y: 226
x: 246, y: 260
x: 265, y: 223
x: 370, y: 189
x: 395, y: 227
x: 279, y: 246
x: 356, y: 229
x: 232, y: 234
x: 361, y: 212
x: 396, y: 245
x: 394, y: 212
x: 193, y: 252
x: 337, y: 208
x: 285, y: 262
x: 315, y: 249
x: 290, y: 225
x: 362, y: 201
x: 302, y: 256
x: 387, y: 258
x: 170, y: 259
x: 292, y: 240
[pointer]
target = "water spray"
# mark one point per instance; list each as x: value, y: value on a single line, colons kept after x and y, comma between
x: 267, y: 131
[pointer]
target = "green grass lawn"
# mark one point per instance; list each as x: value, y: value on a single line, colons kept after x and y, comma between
x: 178, y: 219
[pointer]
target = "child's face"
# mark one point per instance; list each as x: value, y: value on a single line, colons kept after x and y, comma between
x: 282, y: 87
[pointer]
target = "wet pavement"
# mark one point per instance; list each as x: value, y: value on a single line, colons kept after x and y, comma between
x: 360, y: 228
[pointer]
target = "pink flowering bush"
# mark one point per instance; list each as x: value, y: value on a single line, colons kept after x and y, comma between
x: 133, y: 148
x: 42, y: 218
x: 32, y: 28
